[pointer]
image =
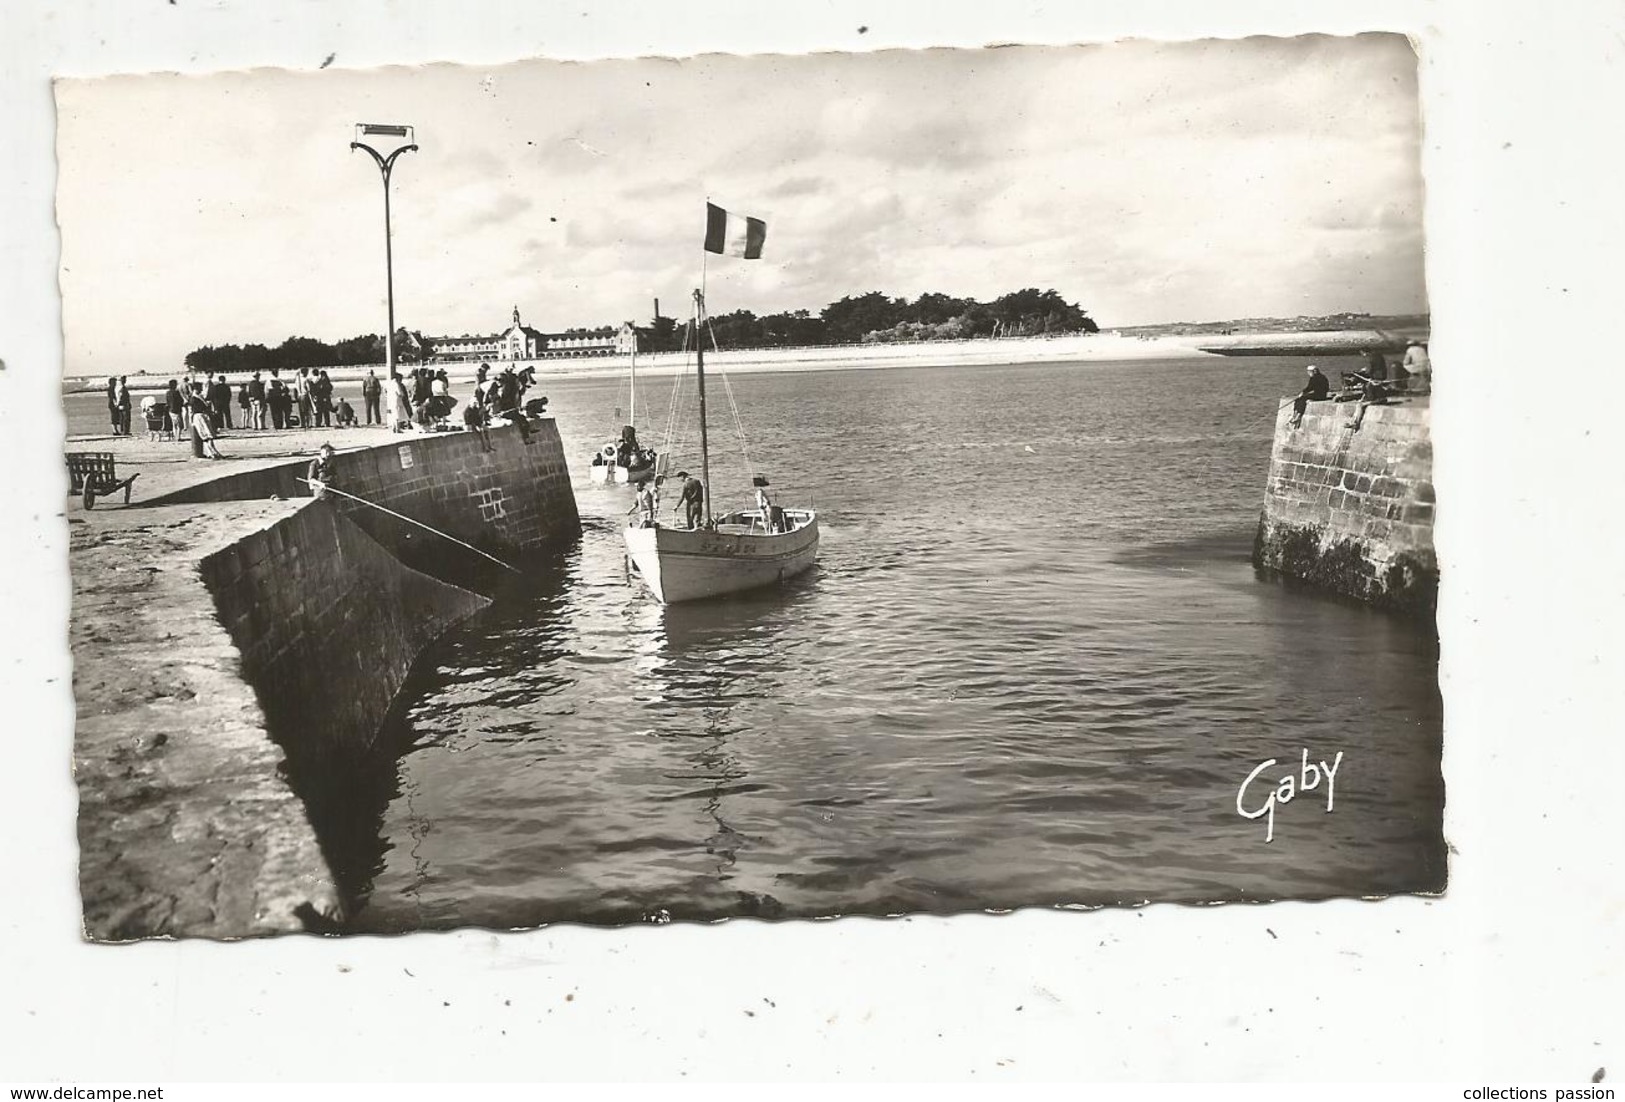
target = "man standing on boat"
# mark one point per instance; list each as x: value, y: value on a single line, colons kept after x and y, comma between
x: 648, y: 503
x: 692, y: 499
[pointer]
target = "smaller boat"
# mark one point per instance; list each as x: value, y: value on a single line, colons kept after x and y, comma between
x: 626, y: 462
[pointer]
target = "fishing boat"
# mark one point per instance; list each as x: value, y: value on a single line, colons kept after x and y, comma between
x: 626, y: 462
x: 738, y: 551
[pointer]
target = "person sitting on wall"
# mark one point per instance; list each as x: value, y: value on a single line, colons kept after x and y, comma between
x: 508, y: 390
x: 440, y: 407
x: 474, y: 420
x: 1314, y: 391
x: 320, y: 474
x: 1373, y: 392
x: 1418, y: 367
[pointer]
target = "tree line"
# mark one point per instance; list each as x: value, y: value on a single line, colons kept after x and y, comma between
x: 877, y: 318
x: 863, y: 319
x: 297, y: 352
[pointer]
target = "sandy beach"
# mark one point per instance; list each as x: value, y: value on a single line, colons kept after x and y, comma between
x: 1070, y: 348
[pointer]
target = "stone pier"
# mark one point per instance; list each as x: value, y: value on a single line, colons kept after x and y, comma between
x: 1350, y: 509
x: 238, y: 645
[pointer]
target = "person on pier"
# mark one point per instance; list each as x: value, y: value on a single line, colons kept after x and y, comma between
x: 256, y: 402
x: 1418, y: 367
x: 175, y: 412
x: 202, y: 421
x: 320, y: 473
x: 277, y: 400
x: 1314, y: 391
x: 371, y: 391
x: 399, y: 403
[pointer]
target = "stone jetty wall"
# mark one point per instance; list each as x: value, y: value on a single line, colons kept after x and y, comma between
x: 1351, y: 510
x: 315, y: 611
x: 509, y: 500
x: 327, y: 623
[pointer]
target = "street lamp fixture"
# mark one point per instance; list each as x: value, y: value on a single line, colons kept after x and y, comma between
x: 386, y: 163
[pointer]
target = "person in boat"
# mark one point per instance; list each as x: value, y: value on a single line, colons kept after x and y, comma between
x: 692, y: 499
x: 648, y: 504
x: 770, y: 513
x: 1314, y: 391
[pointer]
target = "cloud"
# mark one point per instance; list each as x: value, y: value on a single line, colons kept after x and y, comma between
x: 1152, y: 180
x: 498, y: 210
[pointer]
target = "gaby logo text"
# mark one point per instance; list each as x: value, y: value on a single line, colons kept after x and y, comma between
x: 1308, y: 778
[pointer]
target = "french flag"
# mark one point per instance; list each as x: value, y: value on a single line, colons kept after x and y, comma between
x: 733, y: 234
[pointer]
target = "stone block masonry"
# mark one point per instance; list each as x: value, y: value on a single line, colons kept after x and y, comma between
x: 237, y: 655
x: 1351, y: 510
x: 507, y: 501
x: 327, y: 623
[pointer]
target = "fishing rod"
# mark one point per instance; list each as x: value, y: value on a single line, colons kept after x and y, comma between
x: 409, y: 520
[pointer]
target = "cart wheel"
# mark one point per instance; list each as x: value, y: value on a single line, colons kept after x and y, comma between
x: 90, y: 496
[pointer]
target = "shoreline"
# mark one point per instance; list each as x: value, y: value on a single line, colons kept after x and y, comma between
x: 1000, y: 352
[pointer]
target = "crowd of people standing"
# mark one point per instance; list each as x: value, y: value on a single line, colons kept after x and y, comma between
x: 420, y: 398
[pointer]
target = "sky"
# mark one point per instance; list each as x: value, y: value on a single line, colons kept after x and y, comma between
x: 1147, y: 182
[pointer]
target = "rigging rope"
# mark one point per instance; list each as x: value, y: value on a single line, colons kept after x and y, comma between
x: 739, y: 424
x: 674, y: 405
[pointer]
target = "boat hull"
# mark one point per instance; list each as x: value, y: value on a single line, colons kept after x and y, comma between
x: 681, y: 564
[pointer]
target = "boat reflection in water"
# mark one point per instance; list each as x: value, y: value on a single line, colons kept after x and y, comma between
x: 717, y: 670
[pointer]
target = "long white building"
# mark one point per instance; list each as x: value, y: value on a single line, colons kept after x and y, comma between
x: 521, y: 342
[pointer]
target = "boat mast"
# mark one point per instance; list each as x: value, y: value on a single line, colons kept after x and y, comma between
x: 699, y: 373
x: 633, y: 418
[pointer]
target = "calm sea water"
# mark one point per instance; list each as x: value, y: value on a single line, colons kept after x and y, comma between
x: 1032, y: 668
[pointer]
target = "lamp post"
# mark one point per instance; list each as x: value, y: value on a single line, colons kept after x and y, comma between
x: 385, y: 165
